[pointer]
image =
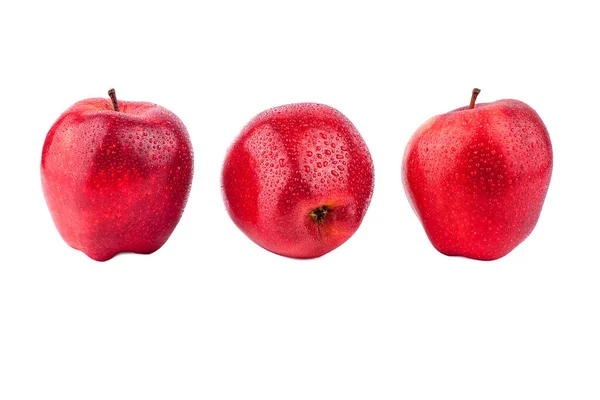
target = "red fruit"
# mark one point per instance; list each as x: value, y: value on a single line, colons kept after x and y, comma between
x: 116, y: 181
x: 477, y: 177
x: 298, y: 180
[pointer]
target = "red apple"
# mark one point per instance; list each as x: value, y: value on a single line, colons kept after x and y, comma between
x: 298, y: 180
x: 116, y: 175
x: 477, y: 177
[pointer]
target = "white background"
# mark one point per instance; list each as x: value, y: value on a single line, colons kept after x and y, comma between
x: 213, y: 316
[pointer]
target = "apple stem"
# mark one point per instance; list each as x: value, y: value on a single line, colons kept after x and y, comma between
x: 113, y: 96
x: 319, y: 213
x: 474, y: 97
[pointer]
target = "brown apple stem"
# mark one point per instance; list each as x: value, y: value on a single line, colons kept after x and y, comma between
x: 474, y: 97
x: 113, y: 96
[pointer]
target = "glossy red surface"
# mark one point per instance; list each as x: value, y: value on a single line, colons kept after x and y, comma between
x: 116, y: 181
x: 477, y: 178
x: 289, y: 161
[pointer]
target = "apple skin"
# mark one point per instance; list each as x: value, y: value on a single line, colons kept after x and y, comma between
x: 287, y: 166
x: 116, y: 181
x: 477, y: 178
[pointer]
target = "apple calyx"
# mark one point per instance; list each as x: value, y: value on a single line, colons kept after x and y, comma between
x: 473, y: 98
x: 318, y: 214
x: 113, y: 96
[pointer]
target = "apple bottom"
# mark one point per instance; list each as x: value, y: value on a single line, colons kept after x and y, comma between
x: 482, y: 232
x: 479, y: 247
x: 310, y: 229
x: 105, y: 223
